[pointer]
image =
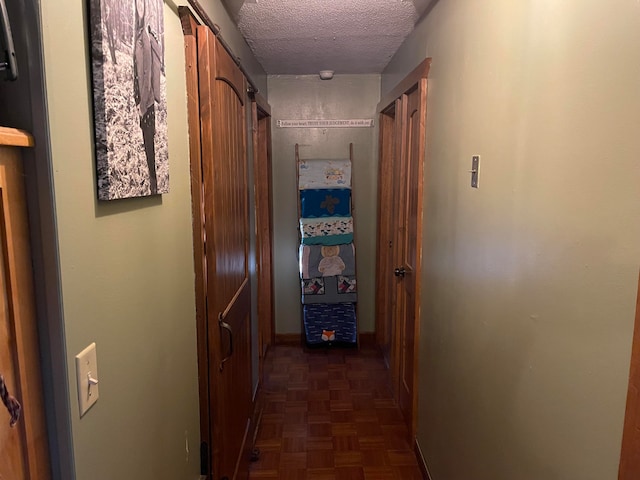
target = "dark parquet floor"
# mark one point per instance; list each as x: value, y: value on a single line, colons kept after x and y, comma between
x: 329, y: 414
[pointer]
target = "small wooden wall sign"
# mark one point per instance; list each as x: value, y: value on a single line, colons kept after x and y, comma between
x: 348, y: 123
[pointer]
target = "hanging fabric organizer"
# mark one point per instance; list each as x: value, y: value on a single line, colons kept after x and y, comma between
x: 327, y: 260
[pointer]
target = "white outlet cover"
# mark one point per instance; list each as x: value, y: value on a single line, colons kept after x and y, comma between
x: 87, y: 366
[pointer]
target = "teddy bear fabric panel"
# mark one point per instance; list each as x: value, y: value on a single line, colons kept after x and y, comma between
x: 319, y: 173
x: 326, y: 261
x: 325, y: 202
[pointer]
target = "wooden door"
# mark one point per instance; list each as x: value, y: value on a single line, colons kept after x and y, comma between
x: 222, y: 90
x: 630, y: 456
x: 264, y: 223
x: 392, y: 176
x: 409, y: 251
x: 24, y: 446
x: 385, y: 243
x: 402, y: 156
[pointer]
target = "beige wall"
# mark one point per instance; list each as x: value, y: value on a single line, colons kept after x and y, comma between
x: 529, y: 282
x: 308, y: 97
x: 127, y: 273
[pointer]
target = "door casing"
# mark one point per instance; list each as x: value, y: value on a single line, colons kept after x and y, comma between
x: 261, y: 121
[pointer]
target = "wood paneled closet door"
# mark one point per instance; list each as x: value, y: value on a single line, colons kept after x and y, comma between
x: 226, y: 209
x: 217, y: 96
x: 402, y: 158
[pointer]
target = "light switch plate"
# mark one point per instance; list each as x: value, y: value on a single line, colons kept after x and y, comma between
x: 87, y: 368
x: 475, y: 170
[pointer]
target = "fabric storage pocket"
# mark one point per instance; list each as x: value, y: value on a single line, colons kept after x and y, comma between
x: 325, y: 202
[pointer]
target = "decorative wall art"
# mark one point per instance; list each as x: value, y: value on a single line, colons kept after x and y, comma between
x: 129, y: 98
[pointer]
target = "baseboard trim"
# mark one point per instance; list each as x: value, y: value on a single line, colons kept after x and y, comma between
x: 256, y: 416
x: 288, y: 339
x: 421, y: 461
x: 367, y: 339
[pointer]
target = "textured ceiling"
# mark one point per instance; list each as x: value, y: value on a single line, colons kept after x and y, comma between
x: 300, y: 37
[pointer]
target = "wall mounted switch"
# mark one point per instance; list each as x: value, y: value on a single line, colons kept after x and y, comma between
x: 87, y: 373
x: 475, y: 170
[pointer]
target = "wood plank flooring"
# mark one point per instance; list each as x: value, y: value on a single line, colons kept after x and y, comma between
x: 329, y: 414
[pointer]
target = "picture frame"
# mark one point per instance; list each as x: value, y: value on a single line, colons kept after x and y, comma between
x: 129, y: 98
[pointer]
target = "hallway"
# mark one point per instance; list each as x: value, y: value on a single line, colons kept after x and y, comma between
x: 330, y: 415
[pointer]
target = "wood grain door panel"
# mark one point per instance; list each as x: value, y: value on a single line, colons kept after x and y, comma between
x: 400, y: 209
x: 24, y: 447
x: 630, y: 454
x: 234, y: 407
x: 264, y: 224
x: 226, y: 244
x: 12, y: 440
x: 385, y: 243
x: 411, y: 252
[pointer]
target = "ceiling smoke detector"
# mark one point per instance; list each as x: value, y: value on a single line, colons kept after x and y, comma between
x: 326, y: 74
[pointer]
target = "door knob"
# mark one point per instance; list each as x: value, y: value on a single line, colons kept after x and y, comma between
x: 399, y: 272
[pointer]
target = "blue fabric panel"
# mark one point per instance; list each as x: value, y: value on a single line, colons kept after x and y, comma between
x: 325, y: 202
x: 337, y: 317
x: 329, y: 240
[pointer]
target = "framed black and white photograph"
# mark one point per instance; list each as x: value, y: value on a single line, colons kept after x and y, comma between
x: 129, y: 98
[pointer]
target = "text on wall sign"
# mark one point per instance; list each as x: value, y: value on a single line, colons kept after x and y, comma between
x: 349, y: 123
